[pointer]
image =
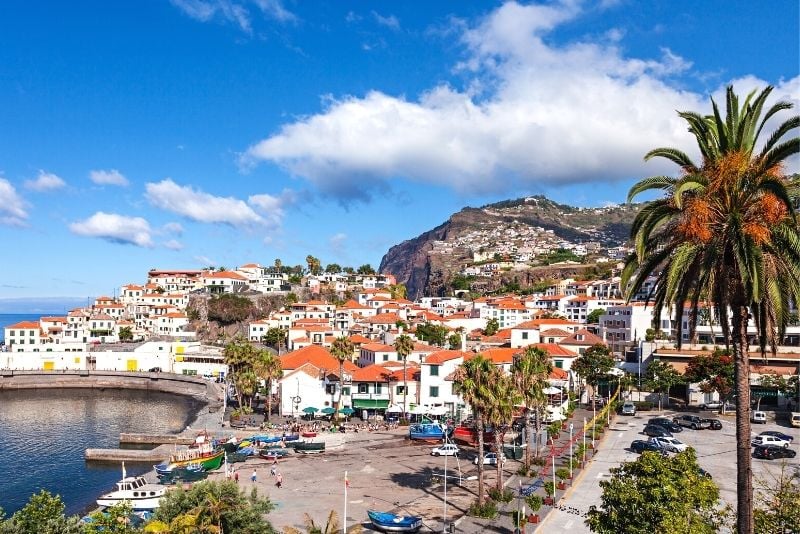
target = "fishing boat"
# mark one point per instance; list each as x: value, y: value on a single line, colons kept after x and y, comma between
x: 468, y: 435
x: 309, y: 447
x: 387, y: 522
x: 309, y: 434
x: 273, y: 454
x: 182, y: 474
x: 136, y: 491
x: 431, y: 432
x: 167, y: 468
x: 236, y: 457
x: 204, y: 455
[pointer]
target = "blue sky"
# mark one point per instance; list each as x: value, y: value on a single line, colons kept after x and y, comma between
x: 187, y: 133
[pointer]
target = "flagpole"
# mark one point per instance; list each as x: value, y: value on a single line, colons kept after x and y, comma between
x: 344, y: 518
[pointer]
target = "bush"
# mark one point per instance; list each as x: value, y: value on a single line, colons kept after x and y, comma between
x: 549, y: 488
x: 643, y: 405
x: 539, y: 460
x: 534, y: 502
x: 487, y: 510
x: 507, y: 495
x: 562, y: 473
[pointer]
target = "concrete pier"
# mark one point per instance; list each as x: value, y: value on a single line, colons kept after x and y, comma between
x: 159, y: 454
x: 169, y: 439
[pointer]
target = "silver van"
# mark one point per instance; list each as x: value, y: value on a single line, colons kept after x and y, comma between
x: 628, y: 408
x: 759, y: 417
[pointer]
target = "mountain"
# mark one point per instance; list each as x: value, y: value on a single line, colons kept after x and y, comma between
x: 522, y: 231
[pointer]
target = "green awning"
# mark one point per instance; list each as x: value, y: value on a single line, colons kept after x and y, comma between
x: 370, y: 403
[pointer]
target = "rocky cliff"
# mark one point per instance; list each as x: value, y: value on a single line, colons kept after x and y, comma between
x: 427, y: 263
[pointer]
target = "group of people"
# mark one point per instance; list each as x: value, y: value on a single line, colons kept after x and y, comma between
x: 273, y: 471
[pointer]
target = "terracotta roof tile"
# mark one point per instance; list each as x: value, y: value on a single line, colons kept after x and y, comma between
x: 442, y: 356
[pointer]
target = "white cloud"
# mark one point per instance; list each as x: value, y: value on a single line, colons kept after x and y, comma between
x: 45, y: 181
x: 109, y: 177
x: 276, y: 10
x: 206, y: 10
x: 390, y: 22
x: 115, y: 228
x: 173, y: 244
x: 273, y: 208
x: 173, y: 228
x: 200, y: 206
x: 533, y: 112
x: 337, y: 242
x: 12, y: 207
x: 205, y: 261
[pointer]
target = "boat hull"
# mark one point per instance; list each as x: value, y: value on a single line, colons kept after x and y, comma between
x: 310, y: 447
x: 469, y: 436
x: 387, y: 522
x: 209, y: 463
x: 148, y: 503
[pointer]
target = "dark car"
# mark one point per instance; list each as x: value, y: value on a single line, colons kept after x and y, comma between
x: 713, y: 424
x: 692, y: 421
x: 777, y: 434
x: 770, y: 452
x: 657, y: 431
x: 640, y: 445
x: 666, y: 423
x: 154, y: 370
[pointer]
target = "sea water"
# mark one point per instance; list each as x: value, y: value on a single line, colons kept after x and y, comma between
x: 44, y: 433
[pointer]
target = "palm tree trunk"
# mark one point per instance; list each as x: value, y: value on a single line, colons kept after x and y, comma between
x: 341, y: 385
x: 479, y: 429
x: 744, y: 476
x: 405, y: 386
x: 498, y: 447
x: 528, y: 429
x: 269, y: 398
x: 538, y: 427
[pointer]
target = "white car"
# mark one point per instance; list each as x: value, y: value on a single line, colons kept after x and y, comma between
x: 670, y: 444
x: 448, y: 449
x: 490, y: 458
x: 769, y: 440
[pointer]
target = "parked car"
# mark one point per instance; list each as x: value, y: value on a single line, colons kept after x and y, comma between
x: 670, y: 444
x: 769, y: 440
x: 448, y: 449
x: 490, y: 458
x: 794, y: 419
x: 666, y: 423
x: 713, y: 424
x: 758, y: 416
x: 692, y: 421
x: 711, y: 405
x: 628, y: 408
x: 657, y: 431
x: 640, y: 445
x: 777, y: 434
x: 770, y: 452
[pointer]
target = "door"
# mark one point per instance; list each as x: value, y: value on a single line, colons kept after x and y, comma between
x: 133, y: 365
x: 49, y: 366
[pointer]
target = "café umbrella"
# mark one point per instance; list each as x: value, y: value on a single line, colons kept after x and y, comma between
x: 328, y: 410
x: 310, y: 410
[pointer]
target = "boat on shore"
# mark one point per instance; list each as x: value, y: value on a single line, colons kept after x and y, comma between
x: 468, y: 435
x: 388, y: 522
x: 136, y: 491
x: 205, y: 455
x: 273, y: 453
x: 431, y: 432
x: 310, y: 447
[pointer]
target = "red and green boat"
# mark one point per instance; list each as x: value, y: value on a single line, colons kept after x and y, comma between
x: 204, y: 455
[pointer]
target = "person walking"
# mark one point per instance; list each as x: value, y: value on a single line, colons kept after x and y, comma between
x: 236, y: 477
x: 279, y: 480
x: 253, y: 476
x: 274, y: 469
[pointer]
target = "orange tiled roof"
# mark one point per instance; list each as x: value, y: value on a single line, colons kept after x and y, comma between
x: 555, y: 332
x: 442, y: 356
x: 535, y: 324
x: 378, y: 347
x: 384, y: 318
x: 500, y: 355
x: 317, y: 356
x: 25, y: 324
x: 558, y: 374
x: 588, y: 339
x: 371, y: 373
x: 358, y: 338
x: 553, y: 349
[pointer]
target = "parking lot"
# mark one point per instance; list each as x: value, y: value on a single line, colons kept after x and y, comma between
x: 716, y: 453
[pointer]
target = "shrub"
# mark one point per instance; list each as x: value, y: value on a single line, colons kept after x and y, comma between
x: 539, y: 460
x: 487, y: 510
x: 534, y: 502
x: 643, y: 405
x: 562, y: 473
x: 507, y: 495
x: 549, y: 488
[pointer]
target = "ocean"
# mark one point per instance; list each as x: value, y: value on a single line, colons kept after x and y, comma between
x: 7, y: 319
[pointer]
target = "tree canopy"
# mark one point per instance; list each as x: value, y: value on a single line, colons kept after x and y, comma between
x: 593, y: 365
x: 229, y: 309
x: 712, y: 373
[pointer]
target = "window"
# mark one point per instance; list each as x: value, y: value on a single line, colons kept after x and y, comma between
x: 434, y: 370
x: 399, y: 390
x: 386, y: 357
x: 559, y: 364
x: 346, y: 391
x: 330, y: 389
x: 363, y: 388
x: 524, y: 335
x: 378, y: 388
x: 434, y: 391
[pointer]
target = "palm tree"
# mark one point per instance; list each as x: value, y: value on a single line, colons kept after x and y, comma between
x: 725, y: 231
x: 239, y: 355
x: 530, y: 372
x: 268, y: 368
x: 404, y: 347
x: 342, y: 349
x: 500, y: 413
x: 473, y: 381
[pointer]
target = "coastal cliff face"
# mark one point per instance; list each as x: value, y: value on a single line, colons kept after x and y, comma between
x: 428, y: 263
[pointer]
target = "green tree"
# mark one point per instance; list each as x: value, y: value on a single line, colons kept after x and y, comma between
x: 503, y: 396
x: 492, y: 327
x: 218, y: 503
x: 594, y: 316
x: 43, y: 514
x: 366, y: 269
x: 314, y: 265
x: 125, y: 333
x: 454, y: 341
x: 713, y: 373
x: 404, y: 346
x: 240, y: 356
x: 113, y: 520
x: 725, y: 232
x: 593, y: 365
x: 333, y: 268
x: 777, y: 502
x: 275, y: 337
x: 229, y: 309
x: 530, y: 371
x: 660, y: 377
x: 331, y: 526
x: 398, y: 291
x: 268, y: 368
x: 657, y: 494
x: 342, y: 349
x: 472, y: 379
x: 433, y: 334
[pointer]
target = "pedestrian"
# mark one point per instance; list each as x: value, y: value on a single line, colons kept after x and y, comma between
x: 274, y: 469
x: 253, y: 476
x: 236, y: 477
x: 279, y: 480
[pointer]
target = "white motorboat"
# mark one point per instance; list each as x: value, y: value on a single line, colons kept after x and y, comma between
x: 136, y: 491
